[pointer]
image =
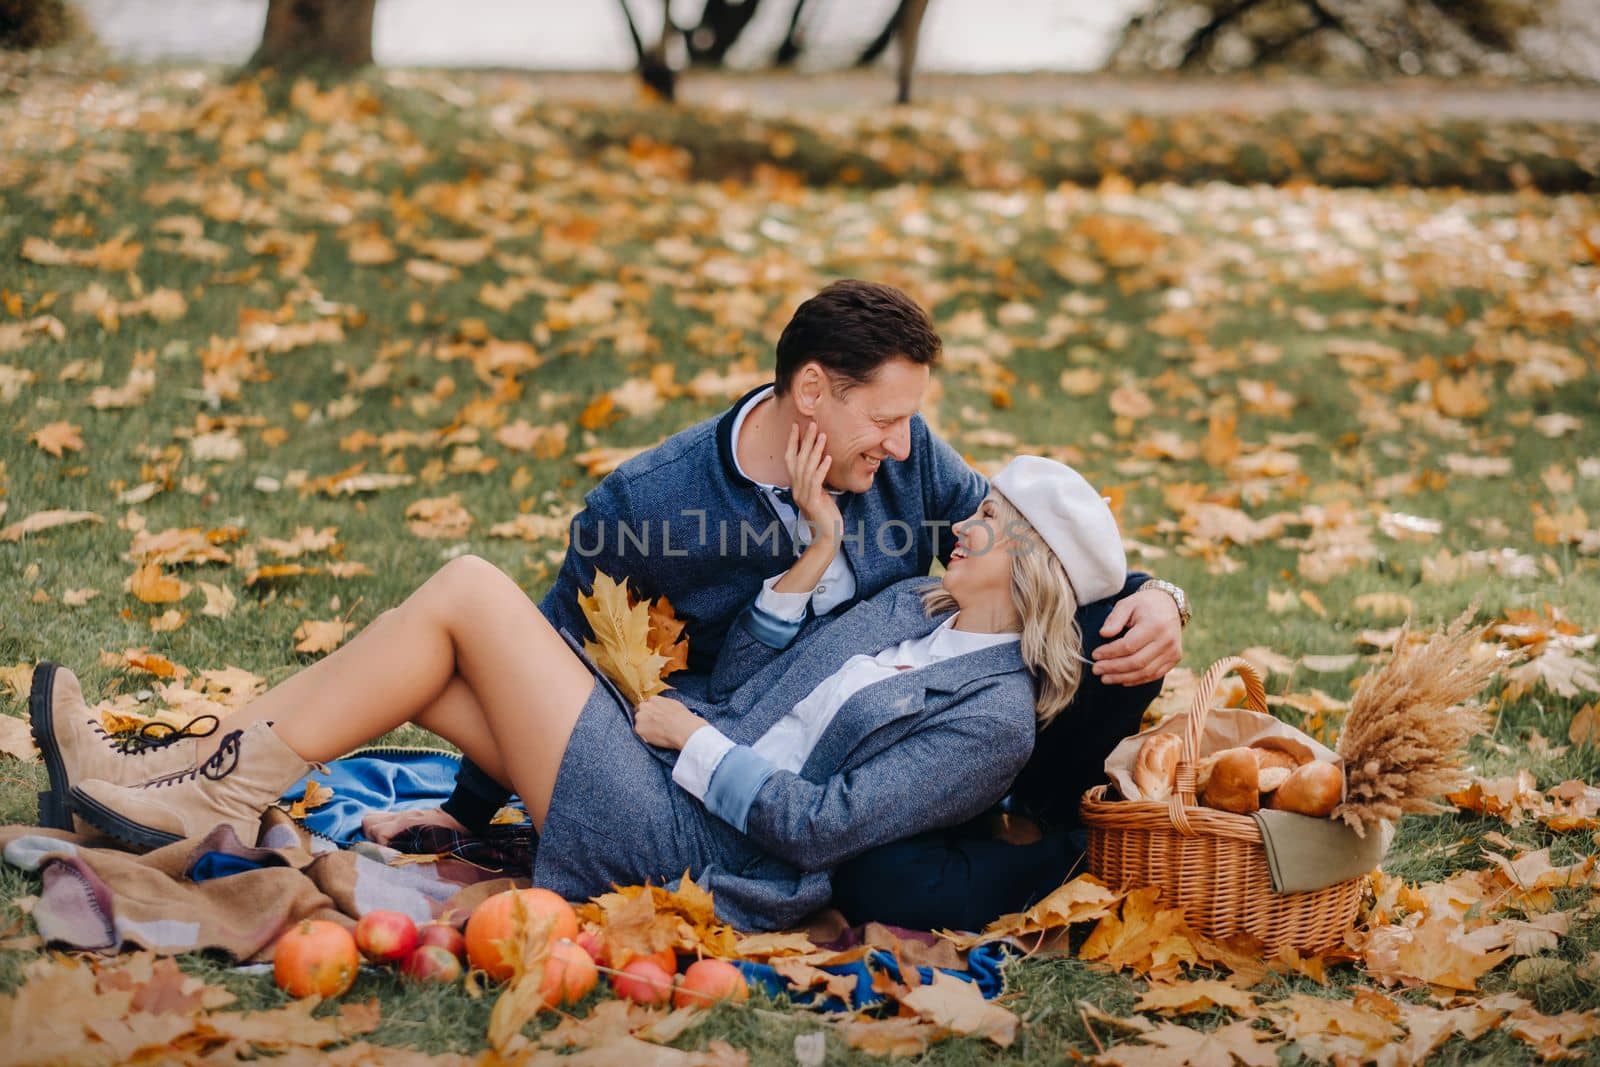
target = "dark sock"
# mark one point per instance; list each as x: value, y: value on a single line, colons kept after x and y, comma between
x: 470, y: 810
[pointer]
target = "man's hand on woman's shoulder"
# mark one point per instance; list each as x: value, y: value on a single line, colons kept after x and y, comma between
x: 1151, y: 643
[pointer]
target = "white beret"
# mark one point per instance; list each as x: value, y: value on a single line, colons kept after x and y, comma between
x: 1072, y: 519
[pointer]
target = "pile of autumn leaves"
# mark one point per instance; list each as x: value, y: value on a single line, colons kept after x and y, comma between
x: 1442, y: 937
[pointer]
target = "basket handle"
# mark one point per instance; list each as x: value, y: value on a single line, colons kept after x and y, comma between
x: 1183, y: 794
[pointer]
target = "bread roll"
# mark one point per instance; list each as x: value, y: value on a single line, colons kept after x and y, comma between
x: 1235, y: 782
x: 1272, y: 758
x: 1314, y: 789
x: 1155, y: 769
x: 1273, y: 777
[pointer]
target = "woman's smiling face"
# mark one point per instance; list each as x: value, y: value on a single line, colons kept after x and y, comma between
x: 980, y: 566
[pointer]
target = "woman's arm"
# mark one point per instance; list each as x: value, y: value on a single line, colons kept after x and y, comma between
x: 939, y: 776
x: 769, y: 625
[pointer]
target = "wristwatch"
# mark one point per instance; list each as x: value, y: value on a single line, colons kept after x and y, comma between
x: 1177, y: 595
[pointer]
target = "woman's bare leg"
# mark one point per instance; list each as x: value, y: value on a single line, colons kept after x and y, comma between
x: 457, y: 707
x: 468, y: 620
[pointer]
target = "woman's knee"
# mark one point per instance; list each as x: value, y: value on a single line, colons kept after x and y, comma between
x: 470, y: 571
x: 468, y: 580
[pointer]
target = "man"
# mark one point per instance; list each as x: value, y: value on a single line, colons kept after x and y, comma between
x: 705, y: 519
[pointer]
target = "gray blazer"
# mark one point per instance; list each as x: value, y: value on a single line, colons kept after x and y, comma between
x: 928, y: 748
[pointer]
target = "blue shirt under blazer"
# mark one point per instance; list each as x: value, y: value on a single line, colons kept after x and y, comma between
x: 926, y: 748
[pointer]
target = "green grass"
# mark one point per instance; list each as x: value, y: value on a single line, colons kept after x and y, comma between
x: 707, y: 266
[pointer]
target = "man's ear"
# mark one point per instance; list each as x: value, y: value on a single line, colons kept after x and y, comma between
x: 809, y: 383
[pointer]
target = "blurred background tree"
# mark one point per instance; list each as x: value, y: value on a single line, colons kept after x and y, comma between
x: 1448, y: 38
x: 333, y: 33
x: 705, y: 44
x: 36, y: 23
x: 666, y: 40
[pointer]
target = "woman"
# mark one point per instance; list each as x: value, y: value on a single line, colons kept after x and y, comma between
x: 914, y: 709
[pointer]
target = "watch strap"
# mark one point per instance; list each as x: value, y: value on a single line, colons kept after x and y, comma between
x: 1176, y: 593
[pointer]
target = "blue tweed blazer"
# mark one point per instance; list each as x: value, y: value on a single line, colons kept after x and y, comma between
x: 928, y: 748
x: 681, y: 521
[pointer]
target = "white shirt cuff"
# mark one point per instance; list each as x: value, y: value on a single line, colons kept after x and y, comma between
x: 790, y: 607
x: 698, y: 760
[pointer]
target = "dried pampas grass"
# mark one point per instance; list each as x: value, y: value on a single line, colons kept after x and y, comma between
x: 1408, y: 725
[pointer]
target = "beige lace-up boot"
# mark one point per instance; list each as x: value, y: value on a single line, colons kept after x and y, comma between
x: 245, y: 776
x: 75, y: 746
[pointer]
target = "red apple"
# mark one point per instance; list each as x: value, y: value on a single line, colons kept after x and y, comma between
x: 665, y: 958
x: 386, y: 936
x: 643, y: 982
x: 432, y: 963
x: 708, y: 981
x: 445, y: 936
x: 592, y: 943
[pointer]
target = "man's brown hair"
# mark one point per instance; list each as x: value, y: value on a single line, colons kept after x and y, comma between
x: 852, y: 328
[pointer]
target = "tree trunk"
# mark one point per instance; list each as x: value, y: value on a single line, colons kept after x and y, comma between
x: 880, y: 44
x: 654, y: 70
x: 334, y: 32
x: 793, y: 40
x: 721, y: 24
x: 911, y: 12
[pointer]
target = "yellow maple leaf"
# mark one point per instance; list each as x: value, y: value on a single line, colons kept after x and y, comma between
x: 958, y: 1006
x: 144, y: 660
x: 599, y: 462
x: 1180, y: 998
x: 666, y: 636
x: 58, y: 437
x: 153, y: 586
x: 1148, y: 939
x: 509, y: 816
x: 316, y: 795
x: 1465, y: 397
x: 220, y: 600
x: 46, y: 520
x: 319, y: 637
x: 889, y: 1037
x: 599, y: 413
x: 1585, y: 726
x: 621, y: 648
x: 1081, y: 381
x: 277, y: 570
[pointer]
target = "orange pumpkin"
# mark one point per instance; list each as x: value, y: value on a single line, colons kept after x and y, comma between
x: 708, y: 981
x: 315, y: 957
x: 495, y: 920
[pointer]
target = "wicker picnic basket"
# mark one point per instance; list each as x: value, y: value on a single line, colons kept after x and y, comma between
x: 1211, y: 863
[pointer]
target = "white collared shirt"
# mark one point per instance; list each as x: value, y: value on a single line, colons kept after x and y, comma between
x: 790, y: 741
x: 837, y: 584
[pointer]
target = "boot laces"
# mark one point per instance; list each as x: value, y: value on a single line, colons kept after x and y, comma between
x: 154, y: 735
x: 222, y: 763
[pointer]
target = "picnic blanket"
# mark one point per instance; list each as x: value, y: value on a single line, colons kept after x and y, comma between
x: 216, y: 893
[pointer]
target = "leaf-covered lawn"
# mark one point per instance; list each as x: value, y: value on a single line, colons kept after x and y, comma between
x: 270, y: 354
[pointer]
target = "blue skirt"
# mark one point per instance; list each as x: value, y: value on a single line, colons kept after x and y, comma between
x: 616, y: 816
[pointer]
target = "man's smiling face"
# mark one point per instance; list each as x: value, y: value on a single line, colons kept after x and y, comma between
x: 870, y: 422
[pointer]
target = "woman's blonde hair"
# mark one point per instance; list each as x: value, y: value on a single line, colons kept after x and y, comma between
x: 1052, y: 644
